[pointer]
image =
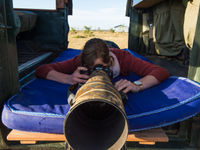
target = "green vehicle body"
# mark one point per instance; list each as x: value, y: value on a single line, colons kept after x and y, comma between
x: 50, y: 34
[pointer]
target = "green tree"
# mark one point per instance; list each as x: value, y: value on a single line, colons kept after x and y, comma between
x: 73, y: 30
x: 88, y: 31
x: 112, y: 30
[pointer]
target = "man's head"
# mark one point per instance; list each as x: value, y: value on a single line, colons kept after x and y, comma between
x: 95, y: 52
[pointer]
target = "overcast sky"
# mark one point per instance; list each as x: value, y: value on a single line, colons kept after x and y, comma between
x: 103, y: 14
x: 35, y: 4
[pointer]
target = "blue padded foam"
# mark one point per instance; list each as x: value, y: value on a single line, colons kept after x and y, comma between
x: 41, y: 105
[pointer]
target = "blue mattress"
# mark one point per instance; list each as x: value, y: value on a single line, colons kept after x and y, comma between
x: 41, y: 105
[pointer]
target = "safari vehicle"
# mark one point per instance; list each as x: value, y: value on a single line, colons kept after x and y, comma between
x: 29, y: 38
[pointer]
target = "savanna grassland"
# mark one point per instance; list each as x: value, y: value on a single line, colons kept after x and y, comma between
x: 77, y: 39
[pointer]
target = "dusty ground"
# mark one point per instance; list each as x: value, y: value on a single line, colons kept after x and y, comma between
x: 77, y: 39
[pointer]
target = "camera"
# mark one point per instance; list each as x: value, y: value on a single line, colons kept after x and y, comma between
x: 98, y: 67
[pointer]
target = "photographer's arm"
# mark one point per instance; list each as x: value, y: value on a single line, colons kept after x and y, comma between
x: 66, y: 72
x: 147, y: 82
x: 73, y: 78
x: 151, y: 74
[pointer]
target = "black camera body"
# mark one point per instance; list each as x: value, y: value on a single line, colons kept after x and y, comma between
x: 98, y: 67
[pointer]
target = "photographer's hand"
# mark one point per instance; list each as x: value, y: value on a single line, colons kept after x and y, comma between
x: 73, y: 78
x: 77, y: 77
x: 126, y: 86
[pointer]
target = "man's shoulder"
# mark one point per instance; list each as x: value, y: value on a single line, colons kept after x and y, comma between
x: 117, y: 51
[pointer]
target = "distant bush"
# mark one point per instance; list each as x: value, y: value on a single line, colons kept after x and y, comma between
x: 73, y: 30
x: 79, y: 36
x: 88, y: 31
x: 112, y: 30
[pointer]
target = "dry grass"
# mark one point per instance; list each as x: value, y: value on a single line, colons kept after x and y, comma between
x: 77, y: 39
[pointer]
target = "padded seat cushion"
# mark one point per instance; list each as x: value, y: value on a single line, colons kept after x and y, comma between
x: 27, y: 20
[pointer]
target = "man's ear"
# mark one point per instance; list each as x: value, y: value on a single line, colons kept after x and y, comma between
x: 111, y: 62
